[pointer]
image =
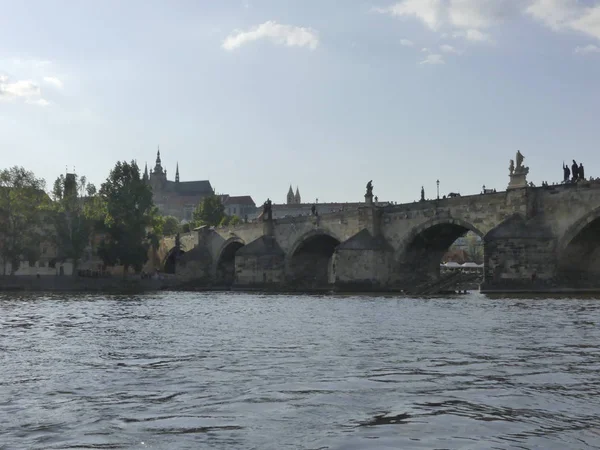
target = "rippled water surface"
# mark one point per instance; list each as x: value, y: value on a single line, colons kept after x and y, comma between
x: 229, y: 371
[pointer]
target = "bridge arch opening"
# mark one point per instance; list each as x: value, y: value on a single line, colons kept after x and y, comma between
x: 226, y: 262
x: 310, y: 264
x: 578, y: 263
x: 441, y: 250
x: 173, y: 256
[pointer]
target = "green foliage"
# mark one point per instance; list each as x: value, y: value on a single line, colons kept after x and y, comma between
x: 130, y: 221
x: 22, y: 202
x: 230, y: 221
x: 474, y: 248
x: 73, y: 216
x: 224, y: 221
x: 171, y: 226
x: 186, y: 228
x: 209, y: 212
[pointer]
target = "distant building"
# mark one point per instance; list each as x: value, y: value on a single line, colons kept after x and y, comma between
x: 176, y: 198
x: 294, y: 207
x: 293, y: 199
x: 241, y: 206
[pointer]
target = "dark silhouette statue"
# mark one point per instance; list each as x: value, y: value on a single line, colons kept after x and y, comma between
x: 268, y: 210
x: 422, y: 194
x: 370, y: 188
x: 580, y: 172
x: 566, y: 173
x: 574, y: 171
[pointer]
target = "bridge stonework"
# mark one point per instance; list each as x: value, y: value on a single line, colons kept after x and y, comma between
x: 534, y: 238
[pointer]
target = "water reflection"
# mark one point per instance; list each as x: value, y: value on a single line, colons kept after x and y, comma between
x: 298, y: 372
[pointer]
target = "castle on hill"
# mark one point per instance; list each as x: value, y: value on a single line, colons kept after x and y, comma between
x: 180, y: 198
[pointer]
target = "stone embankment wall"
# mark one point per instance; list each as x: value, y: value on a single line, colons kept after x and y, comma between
x: 83, y: 284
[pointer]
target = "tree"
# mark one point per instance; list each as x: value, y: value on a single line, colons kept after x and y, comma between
x: 73, y: 216
x: 210, y: 211
x: 474, y: 248
x: 130, y: 214
x: 234, y: 220
x: 22, y: 200
x: 171, y: 226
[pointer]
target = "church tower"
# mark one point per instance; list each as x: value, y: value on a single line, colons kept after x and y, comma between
x: 297, y: 197
x: 158, y: 176
x: 290, y: 196
x: 145, y: 177
x: 177, y: 174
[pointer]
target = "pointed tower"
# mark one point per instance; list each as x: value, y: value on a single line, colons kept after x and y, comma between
x: 177, y: 174
x: 290, y: 196
x: 158, y: 170
x: 297, y: 197
x: 158, y: 176
x: 145, y: 177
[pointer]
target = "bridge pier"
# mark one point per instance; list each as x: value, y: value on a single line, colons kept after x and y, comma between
x: 518, y: 255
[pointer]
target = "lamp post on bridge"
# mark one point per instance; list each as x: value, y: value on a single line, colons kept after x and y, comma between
x: 438, y: 189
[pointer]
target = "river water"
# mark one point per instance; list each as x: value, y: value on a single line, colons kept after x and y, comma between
x: 240, y: 371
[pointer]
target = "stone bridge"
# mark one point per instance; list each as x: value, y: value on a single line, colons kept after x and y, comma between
x: 539, y: 238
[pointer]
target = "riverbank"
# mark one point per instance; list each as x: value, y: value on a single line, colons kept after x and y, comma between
x: 83, y: 284
x: 170, y: 283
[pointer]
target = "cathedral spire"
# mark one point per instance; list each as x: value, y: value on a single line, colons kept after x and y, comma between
x: 297, y: 197
x: 145, y: 176
x: 290, y: 196
x: 158, y: 169
x: 177, y: 174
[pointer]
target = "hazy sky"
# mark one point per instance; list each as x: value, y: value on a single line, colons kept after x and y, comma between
x: 254, y: 95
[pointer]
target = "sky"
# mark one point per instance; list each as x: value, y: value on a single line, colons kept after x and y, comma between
x: 255, y: 95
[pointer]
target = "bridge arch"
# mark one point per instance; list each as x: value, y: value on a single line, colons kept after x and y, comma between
x: 417, y: 259
x: 310, y: 259
x: 578, y: 252
x: 225, y: 262
x: 170, y: 262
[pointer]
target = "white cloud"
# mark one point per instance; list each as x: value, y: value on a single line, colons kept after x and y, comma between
x: 20, y: 88
x: 553, y: 13
x: 406, y: 43
x: 433, y: 59
x: 288, y: 35
x: 449, y: 49
x: 587, y: 49
x: 39, y: 102
x: 473, y: 35
x: 25, y: 90
x: 429, y: 12
x: 477, y: 14
x: 462, y: 14
x: 425, y: 50
x: 569, y: 15
x: 54, y: 82
x: 472, y: 19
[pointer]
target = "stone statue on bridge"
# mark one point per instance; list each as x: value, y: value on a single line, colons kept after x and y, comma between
x: 520, y: 168
x: 370, y: 188
x: 518, y: 172
x: 268, y: 210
